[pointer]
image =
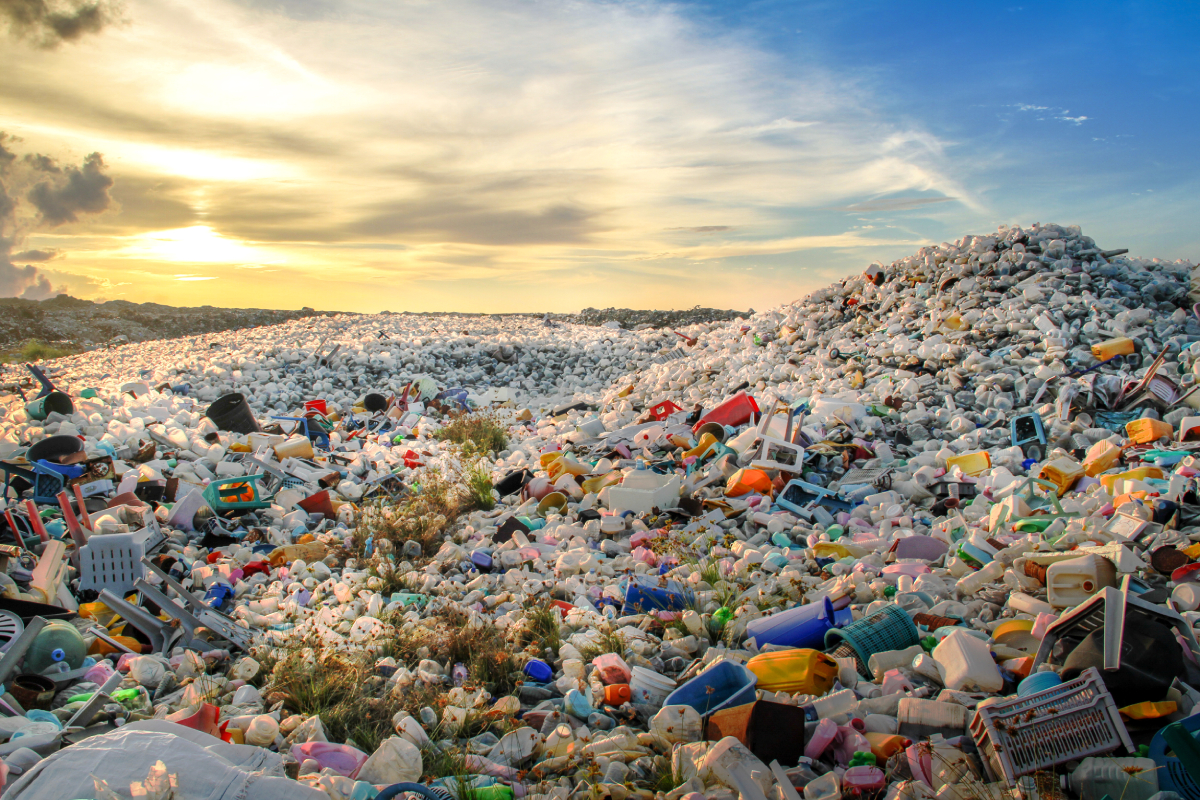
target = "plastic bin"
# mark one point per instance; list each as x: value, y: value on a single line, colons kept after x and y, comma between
x: 232, y: 413
x: 644, y: 595
x: 235, y: 494
x: 723, y: 685
x: 734, y: 412
x: 1069, y: 722
x: 889, y: 628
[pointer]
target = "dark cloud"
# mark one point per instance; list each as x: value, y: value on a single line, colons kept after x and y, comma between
x: 34, y: 255
x: 83, y: 191
x: 49, y: 25
x: 58, y: 195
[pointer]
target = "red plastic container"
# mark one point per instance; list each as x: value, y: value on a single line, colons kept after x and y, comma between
x: 316, y: 405
x: 663, y: 410
x: 735, y: 411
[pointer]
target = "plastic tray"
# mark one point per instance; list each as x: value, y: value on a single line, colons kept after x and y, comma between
x: 1071, y: 721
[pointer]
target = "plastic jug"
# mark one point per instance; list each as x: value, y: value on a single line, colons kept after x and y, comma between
x: 612, y: 669
x: 830, y: 706
x: 1126, y: 778
x: 1121, y: 346
x: 972, y: 583
x: 971, y: 463
x: 862, y: 780
x: 800, y: 671
x: 1101, y: 457
x: 1062, y: 472
x: 58, y: 646
x: 826, y: 787
x: 1069, y: 583
x: 967, y: 663
x: 1109, y: 482
x: 1147, y: 431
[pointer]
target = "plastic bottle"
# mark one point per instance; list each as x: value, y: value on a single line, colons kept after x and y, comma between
x: 972, y: 583
x: 58, y: 646
x: 830, y: 706
x: 826, y: 787
x: 1126, y: 778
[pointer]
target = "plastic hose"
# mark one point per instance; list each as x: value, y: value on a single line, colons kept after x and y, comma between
x: 396, y: 789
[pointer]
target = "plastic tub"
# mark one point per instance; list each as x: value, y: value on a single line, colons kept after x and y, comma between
x: 54, y: 449
x: 723, y: 685
x: 799, y: 626
x: 232, y: 413
x: 53, y: 403
x: 650, y: 688
x: 1038, y: 682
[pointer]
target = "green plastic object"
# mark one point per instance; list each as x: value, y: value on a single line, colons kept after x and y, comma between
x: 861, y: 759
x: 59, y: 643
x: 235, y: 494
x: 721, y: 617
x: 88, y: 394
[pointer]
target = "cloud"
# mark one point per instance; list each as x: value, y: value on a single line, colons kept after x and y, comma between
x: 705, y: 228
x: 35, y: 255
x: 896, y: 204
x: 57, y: 196
x: 48, y: 25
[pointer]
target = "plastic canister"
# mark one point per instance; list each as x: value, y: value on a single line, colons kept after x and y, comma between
x: 648, y: 687
x: 830, y: 706
x: 1062, y: 472
x: 611, y: 668
x: 920, y: 719
x: 801, y: 671
x: 58, y: 646
x: 616, y: 694
x: 1121, y: 346
x: 1069, y: 583
x: 971, y: 463
x: 1100, y: 457
x: 862, y: 780
x: 1126, y: 778
x: 967, y: 663
x: 886, y: 745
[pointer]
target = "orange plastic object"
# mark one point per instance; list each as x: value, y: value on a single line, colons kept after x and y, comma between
x: 1113, y: 347
x: 886, y: 745
x: 1148, y: 710
x: 203, y: 719
x: 745, y: 481
x: 971, y: 463
x: 617, y: 693
x: 1101, y: 456
x: 1145, y: 430
x: 1109, y: 482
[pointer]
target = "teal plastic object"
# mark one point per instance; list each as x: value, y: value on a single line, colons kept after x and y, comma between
x: 235, y: 494
x: 59, y: 646
x: 889, y: 628
x: 1180, y: 774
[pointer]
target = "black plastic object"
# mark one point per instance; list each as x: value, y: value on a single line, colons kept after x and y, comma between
x: 54, y: 449
x: 27, y: 610
x: 1151, y: 658
x: 375, y: 402
x: 758, y: 725
x: 428, y: 792
x: 513, y: 482
x: 232, y: 413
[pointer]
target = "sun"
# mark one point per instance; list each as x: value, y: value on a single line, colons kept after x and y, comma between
x: 198, y: 244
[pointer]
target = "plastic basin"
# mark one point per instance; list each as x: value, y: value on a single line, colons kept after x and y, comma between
x: 721, y: 686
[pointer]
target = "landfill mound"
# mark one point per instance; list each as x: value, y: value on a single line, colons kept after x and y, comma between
x: 631, y: 318
x: 83, y: 324
x: 931, y: 532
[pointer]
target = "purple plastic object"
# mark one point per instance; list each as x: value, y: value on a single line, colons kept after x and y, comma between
x: 925, y: 548
x: 341, y: 758
x: 799, y: 626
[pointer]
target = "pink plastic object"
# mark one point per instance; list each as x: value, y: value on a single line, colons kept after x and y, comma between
x: 735, y: 411
x: 892, y: 572
x: 99, y: 673
x: 539, y: 488
x: 863, y: 780
x: 644, y: 555
x: 823, y: 736
x: 203, y: 720
x: 1042, y: 622
x: 612, y: 669
x: 847, y: 743
x: 341, y: 758
x: 895, y: 681
x: 920, y: 763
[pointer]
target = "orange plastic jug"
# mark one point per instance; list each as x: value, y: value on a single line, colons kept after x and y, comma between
x: 617, y: 694
x: 1113, y: 347
x: 886, y: 745
x: 1062, y: 472
x: 1101, y: 456
x: 800, y: 670
x: 1145, y: 430
x: 745, y: 481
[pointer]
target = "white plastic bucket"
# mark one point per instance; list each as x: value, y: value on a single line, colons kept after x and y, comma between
x: 650, y: 688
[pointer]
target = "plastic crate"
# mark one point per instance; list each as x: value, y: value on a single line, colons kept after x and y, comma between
x: 112, y: 561
x: 1071, y: 721
x: 235, y: 494
x: 889, y: 628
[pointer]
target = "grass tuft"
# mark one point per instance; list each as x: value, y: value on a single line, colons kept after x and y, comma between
x: 479, y: 433
x: 477, y: 487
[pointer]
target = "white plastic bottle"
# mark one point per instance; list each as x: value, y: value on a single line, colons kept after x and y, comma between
x: 972, y: 583
x: 830, y: 706
x: 826, y: 787
x: 1126, y: 778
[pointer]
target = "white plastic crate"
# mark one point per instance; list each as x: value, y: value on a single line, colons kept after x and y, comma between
x: 112, y: 561
x: 1068, y: 722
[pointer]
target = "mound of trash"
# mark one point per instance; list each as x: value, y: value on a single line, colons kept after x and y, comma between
x: 931, y: 532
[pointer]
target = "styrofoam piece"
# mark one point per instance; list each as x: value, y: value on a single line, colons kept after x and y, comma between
x: 644, y: 490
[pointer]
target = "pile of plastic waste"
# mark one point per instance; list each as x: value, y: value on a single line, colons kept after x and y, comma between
x: 932, y: 531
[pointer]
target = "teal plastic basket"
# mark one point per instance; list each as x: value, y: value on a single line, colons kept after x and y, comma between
x: 889, y: 628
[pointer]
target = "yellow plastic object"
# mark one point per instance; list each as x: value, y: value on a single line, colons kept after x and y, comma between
x: 1192, y: 551
x: 555, y: 501
x: 1148, y: 710
x: 835, y: 550
x: 1109, y: 482
x: 239, y: 447
x: 1113, y: 347
x: 1145, y: 431
x: 971, y: 463
x: 597, y: 482
x: 1017, y: 634
x: 313, y: 551
x: 546, y: 459
x: 706, y: 441
x: 565, y: 465
x: 804, y: 671
x: 1101, y: 457
x: 1062, y: 472
x: 955, y: 322
x: 99, y: 612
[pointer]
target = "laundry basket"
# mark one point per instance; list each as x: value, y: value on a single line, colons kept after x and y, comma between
x: 111, y: 561
x: 889, y: 628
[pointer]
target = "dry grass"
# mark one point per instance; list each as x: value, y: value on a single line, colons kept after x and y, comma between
x: 541, y: 628
x: 424, y: 516
x: 477, y: 433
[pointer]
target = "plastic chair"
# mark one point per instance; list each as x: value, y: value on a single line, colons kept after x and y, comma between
x: 1181, y: 773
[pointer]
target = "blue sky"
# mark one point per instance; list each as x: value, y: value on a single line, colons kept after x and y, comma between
x: 529, y: 155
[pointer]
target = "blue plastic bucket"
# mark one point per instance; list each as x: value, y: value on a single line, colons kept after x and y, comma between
x: 799, y: 626
x: 645, y: 595
x: 723, y: 686
x: 1038, y: 682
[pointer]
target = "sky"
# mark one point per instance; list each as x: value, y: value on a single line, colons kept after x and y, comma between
x: 496, y: 156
